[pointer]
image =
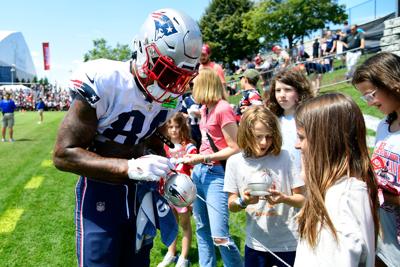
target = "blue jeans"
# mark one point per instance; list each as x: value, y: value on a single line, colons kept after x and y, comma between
x: 212, y: 219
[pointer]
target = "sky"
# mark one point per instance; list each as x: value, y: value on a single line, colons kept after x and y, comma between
x: 70, y: 26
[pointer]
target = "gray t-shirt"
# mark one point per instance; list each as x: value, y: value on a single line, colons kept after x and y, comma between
x: 272, y: 227
x: 354, y: 41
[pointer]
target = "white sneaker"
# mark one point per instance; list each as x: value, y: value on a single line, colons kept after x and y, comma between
x: 168, y: 259
x: 182, y: 262
x: 12, y: 140
x: 3, y: 140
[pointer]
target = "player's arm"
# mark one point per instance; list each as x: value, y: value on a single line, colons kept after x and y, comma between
x: 75, y: 135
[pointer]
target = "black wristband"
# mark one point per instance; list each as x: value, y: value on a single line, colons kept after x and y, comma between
x: 241, y: 203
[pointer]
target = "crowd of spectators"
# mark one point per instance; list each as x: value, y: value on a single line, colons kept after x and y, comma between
x: 26, y: 98
x: 315, y: 59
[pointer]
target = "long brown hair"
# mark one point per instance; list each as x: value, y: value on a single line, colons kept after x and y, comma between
x: 383, y: 71
x: 294, y: 78
x: 184, y: 129
x: 336, y: 147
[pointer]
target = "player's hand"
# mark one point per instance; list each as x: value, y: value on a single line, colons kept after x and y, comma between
x: 149, y: 168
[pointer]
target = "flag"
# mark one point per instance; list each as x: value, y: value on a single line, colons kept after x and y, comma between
x: 46, y: 55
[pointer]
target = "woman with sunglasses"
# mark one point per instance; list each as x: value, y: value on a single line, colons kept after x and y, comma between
x: 378, y: 80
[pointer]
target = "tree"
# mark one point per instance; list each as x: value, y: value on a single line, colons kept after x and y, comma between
x: 291, y: 19
x: 102, y: 50
x: 222, y: 29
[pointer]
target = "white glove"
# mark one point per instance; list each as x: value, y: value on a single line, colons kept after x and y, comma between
x: 149, y: 168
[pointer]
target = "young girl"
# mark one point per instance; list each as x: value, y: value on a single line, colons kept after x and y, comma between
x: 338, y: 223
x: 378, y: 79
x: 270, y: 221
x: 289, y: 88
x: 179, y: 134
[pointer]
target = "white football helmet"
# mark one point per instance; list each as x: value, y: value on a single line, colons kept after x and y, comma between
x: 168, y: 49
x: 179, y: 190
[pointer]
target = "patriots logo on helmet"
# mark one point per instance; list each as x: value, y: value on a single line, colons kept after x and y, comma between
x: 86, y: 91
x: 164, y: 25
x: 175, y: 193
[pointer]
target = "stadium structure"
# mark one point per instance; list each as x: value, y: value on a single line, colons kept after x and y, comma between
x: 15, y: 58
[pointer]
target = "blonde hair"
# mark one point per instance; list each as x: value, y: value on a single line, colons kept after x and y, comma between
x: 246, y: 138
x: 208, y: 88
x: 336, y: 146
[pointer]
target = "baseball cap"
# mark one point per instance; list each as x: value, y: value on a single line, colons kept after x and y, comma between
x: 251, y: 74
x: 276, y: 48
x: 206, y: 49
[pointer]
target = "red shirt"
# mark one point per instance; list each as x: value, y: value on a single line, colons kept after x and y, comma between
x: 179, y: 152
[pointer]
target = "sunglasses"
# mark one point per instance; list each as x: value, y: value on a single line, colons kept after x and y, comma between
x: 369, y: 97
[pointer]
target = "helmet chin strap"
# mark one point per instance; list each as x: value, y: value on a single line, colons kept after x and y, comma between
x: 137, y: 80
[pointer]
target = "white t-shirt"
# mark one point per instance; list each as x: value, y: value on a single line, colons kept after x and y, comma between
x: 348, y: 206
x: 386, y: 162
x: 289, y: 138
x: 273, y: 227
x: 125, y: 115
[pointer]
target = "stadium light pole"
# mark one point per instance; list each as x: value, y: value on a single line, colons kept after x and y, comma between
x: 12, y: 73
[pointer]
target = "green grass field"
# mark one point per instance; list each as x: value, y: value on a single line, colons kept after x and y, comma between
x: 37, y: 201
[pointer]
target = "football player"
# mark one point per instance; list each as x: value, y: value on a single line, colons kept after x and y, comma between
x: 117, y: 108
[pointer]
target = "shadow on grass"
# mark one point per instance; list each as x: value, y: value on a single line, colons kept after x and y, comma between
x: 24, y: 140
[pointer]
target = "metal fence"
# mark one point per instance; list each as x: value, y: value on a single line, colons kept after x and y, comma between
x: 370, y: 10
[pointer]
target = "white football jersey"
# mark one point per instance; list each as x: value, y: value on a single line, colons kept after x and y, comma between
x: 123, y: 112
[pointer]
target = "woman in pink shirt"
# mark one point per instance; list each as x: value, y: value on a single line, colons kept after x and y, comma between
x: 218, y: 126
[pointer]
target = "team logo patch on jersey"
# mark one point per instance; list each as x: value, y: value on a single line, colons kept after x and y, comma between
x: 170, y: 103
x: 86, y: 91
x: 164, y: 25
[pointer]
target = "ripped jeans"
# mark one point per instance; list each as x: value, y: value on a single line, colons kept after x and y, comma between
x: 213, y: 222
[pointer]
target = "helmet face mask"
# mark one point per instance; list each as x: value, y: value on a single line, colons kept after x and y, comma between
x: 168, y: 50
x: 163, y: 70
